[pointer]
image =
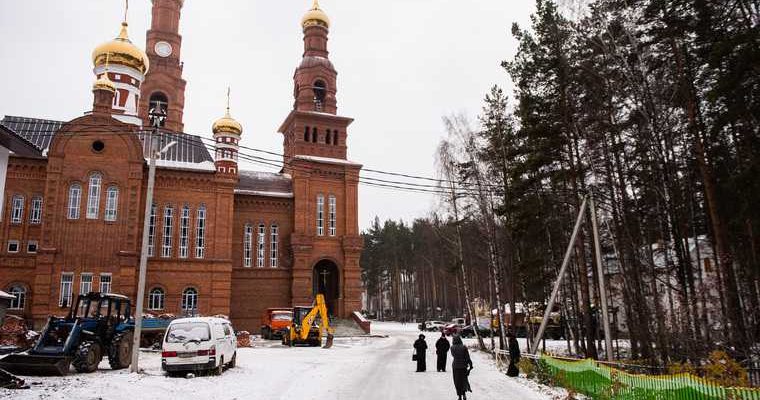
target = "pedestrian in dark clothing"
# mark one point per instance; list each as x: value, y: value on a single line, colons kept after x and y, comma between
x: 419, y: 351
x: 514, y: 355
x: 442, y: 350
x: 462, y: 365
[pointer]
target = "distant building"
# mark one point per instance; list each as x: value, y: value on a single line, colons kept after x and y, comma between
x: 223, y: 240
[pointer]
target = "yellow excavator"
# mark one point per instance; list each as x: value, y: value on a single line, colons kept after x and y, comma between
x: 304, y: 329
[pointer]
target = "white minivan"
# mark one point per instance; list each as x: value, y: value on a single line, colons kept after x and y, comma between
x: 199, y: 344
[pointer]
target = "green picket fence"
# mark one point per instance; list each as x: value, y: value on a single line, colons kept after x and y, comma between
x: 599, y: 381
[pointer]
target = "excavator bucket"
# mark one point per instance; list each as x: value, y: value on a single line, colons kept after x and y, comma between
x: 328, y: 342
x: 8, y: 381
x: 38, y: 365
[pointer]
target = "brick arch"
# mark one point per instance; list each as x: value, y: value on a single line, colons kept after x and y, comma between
x: 97, y: 128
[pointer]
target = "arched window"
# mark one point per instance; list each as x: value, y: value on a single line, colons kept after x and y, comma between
x: 247, y: 245
x: 200, y: 232
x: 112, y: 203
x: 331, y: 213
x: 158, y: 105
x: 17, y: 209
x: 152, y: 230
x: 75, y: 198
x: 156, y: 299
x: 273, y: 245
x: 335, y: 138
x: 260, y: 243
x: 314, y: 134
x: 306, y: 134
x: 189, y: 299
x: 184, y: 232
x: 18, y: 303
x: 35, y: 214
x: 93, y: 196
x: 166, y: 247
x: 320, y: 215
x: 319, y: 95
x: 327, y: 137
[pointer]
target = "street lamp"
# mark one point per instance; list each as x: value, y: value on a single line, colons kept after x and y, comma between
x: 157, y: 118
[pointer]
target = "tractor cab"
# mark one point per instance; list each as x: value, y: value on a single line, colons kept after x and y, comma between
x: 97, y: 324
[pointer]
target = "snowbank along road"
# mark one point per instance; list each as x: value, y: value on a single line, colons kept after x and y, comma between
x: 355, y: 368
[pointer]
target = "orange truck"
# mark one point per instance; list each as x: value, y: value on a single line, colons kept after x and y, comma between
x: 275, y: 321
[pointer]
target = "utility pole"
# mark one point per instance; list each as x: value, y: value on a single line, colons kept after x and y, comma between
x: 157, y: 118
x: 600, y: 274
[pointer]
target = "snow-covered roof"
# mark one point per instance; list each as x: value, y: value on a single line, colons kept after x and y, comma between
x: 327, y: 160
x: 268, y: 184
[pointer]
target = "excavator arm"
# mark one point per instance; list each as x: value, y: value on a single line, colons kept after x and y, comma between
x: 319, y: 309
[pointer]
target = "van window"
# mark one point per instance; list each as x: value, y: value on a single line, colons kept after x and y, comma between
x: 227, y: 331
x: 188, y: 332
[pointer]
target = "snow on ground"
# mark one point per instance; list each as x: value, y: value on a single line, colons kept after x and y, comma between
x: 355, y: 368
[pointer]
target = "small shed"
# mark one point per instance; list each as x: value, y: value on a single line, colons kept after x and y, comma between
x: 5, y: 302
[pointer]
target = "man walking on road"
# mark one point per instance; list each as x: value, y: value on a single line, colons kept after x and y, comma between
x: 419, y: 353
x: 442, y: 350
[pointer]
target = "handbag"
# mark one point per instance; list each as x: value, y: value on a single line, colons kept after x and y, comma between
x: 414, y: 355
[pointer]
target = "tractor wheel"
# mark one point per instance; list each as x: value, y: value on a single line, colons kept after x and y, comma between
x: 120, y: 352
x: 233, y: 361
x: 87, y: 357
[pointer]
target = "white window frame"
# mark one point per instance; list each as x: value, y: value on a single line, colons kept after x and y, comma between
x: 184, y: 231
x: 105, y: 283
x: 274, y: 232
x: 67, y: 289
x: 200, y: 232
x: 320, y: 215
x: 93, y: 195
x: 156, y: 299
x: 247, y: 245
x: 261, y: 245
x: 152, y: 230
x: 189, y: 297
x: 85, y: 285
x: 112, y: 203
x: 332, y: 209
x: 34, y: 243
x: 14, y: 242
x: 168, y: 232
x: 17, y: 209
x: 35, y: 210
x: 19, y: 300
x: 75, y: 200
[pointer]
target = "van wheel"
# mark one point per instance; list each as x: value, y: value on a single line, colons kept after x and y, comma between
x: 233, y: 361
x: 219, y: 368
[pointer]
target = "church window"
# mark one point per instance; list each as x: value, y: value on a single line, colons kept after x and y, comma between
x: 35, y: 214
x: 85, y: 283
x: 93, y: 196
x: 184, y: 232
x: 260, y: 246
x: 273, y: 245
x: 67, y: 283
x: 331, y: 215
x: 247, y: 245
x: 335, y: 138
x: 320, y: 215
x: 166, y: 248
x: 200, y: 232
x: 13, y: 246
x: 31, y: 246
x: 19, y: 298
x: 75, y: 197
x: 105, y: 283
x: 112, y: 203
x: 152, y: 231
x: 17, y: 210
x: 327, y: 137
x: 306, y: 134
x: 158, y: 105
x: 319, y: 95
x: 156, y: 299
x: 189, y: 299
x: 314, y: 134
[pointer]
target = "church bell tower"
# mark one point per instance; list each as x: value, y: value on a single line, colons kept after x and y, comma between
x: 163, y: 88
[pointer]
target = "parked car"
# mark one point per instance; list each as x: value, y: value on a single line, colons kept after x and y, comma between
x: 451, y: 329
x: 469, y: 331
x: 434, y: 326
x: 199, y: 344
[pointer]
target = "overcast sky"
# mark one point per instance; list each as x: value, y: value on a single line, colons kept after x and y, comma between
x: 402, y: 65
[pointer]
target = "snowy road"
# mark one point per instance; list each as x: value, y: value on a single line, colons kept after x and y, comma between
x: 361, y: 368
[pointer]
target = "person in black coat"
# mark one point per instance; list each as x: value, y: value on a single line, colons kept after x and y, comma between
x: 461, y: 366
x: 514, y: 355
x: 442, y: 350
x: 419, y: 350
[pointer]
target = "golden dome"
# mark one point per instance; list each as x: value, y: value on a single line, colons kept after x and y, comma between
x: 103, y: 83
x: 121, y: 52
x: 227, y: 124
x: 315, y: 16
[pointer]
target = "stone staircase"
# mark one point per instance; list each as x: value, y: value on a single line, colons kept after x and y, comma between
x: 346, y: 328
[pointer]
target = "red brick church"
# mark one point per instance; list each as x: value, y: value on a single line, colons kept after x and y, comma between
x: 222, y: 239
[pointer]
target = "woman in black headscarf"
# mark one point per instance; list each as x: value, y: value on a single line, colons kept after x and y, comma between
x: 461, y: 366
x: 419, y: 353
x: 514, y: 355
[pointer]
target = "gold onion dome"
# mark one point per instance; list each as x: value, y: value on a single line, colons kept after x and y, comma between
x: 315, y: 17
x: 103, y: 83
x: 121, y: 51
x: 227, y: 124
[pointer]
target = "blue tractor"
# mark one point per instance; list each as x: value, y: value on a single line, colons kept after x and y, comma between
x: 97, y: 325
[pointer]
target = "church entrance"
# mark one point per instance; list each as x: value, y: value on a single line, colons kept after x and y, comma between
x: 326, y: 280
